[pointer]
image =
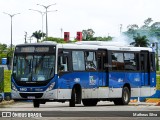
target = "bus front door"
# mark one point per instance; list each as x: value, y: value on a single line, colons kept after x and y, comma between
x: 144, y: 63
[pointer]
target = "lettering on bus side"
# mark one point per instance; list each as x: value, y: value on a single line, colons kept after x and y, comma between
x: 92, y: 81
x: 23, y: 89
x: 77, y: 80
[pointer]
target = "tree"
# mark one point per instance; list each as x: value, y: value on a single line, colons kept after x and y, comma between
x: 3, y: 47
x: 140, y: 41
x: 131, y: 30
x: 88, y: 34
x: 58, y: 40
x: 155, y: 30
x: 109, y: 38
x: 38, y: 35
x: 147, y: 23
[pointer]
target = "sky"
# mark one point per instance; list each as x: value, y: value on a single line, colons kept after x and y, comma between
x: 103, y: 16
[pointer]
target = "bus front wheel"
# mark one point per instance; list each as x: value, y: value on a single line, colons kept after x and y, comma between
x: 36, y: 103
x: 125, y: 97
x: 72, y: 101
x: 89, y: 102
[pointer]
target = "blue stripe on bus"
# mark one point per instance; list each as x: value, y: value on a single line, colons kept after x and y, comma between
x: 98, y: 79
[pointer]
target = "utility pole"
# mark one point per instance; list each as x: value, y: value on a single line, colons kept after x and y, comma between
x: 42, y: 14
x: 25, y: 37
x: 120, y: 28
x: 11, y: 15
x: 61, y: 32
x: 46, y: 7
x: 30, y: 38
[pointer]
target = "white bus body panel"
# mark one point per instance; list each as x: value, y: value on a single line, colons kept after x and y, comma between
x: 143, y: 91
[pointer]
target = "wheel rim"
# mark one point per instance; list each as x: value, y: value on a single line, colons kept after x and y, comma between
x: 125, y: 96
x: 75, y: 96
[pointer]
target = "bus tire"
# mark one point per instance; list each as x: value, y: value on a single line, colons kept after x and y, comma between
x: 89, y: 102
x: 72, y: 101
x: 1, y: 98
x: 36, y: 103
x: 125, y: 97
x: 117, y: 101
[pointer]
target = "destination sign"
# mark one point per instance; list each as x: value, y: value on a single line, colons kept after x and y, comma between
x: 27, y: 49
x: 31, y: 49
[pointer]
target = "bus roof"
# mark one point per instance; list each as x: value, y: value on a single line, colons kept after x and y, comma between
x: 36, y: 44
x: 94, y: 45
x: 91, y: 45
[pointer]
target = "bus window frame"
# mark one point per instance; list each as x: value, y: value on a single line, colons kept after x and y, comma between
x: 115, y: 51
x: 64, y: 53
x: 94, y: 59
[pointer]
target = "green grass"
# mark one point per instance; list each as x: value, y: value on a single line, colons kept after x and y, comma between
x: 158, y: 80
x: 158, y: 83
x: 158, y: 72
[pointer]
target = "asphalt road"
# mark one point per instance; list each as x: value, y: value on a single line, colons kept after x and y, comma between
x: 62, y: 111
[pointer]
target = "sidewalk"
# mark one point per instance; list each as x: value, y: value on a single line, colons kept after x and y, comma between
x: 149, y: 102
x: 143, y: 104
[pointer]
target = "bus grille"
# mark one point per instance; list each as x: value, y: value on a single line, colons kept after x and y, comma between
x: 26, y: 95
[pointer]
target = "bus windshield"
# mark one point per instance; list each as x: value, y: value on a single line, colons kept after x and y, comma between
x: 33, y: 68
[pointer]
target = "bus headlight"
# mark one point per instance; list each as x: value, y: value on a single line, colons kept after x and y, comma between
x: 13, y: 87
x: 51, y: 87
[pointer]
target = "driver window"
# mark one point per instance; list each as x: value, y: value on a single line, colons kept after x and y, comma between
x: 62, y: 63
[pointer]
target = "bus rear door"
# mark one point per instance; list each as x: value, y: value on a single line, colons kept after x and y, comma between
x: 145, y: 68
x: 103, y: 67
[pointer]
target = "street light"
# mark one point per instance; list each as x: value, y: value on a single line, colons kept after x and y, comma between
x: 42, y: 13
x: 11, y: 15
x: 46, y: 7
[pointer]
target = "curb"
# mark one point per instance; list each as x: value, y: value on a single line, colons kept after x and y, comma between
x: 158, y: 104
x: 7, y: 102
x: 152, y: 100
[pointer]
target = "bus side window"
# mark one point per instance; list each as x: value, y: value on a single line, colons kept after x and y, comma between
x: 90, y: 60
x: 62, y: 63
x: 117, y: 61
x: 78, y: 61
x: 131, y: 61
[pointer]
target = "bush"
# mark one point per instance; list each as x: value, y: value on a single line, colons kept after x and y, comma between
x: 1, y: 79
x: 2, y: 56
x: 158, y: 83
x: 7, y: 81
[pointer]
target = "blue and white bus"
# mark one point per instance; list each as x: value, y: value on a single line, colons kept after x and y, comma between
x: 86, y: 71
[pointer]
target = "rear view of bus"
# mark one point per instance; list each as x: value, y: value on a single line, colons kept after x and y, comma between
x: 34, y: 65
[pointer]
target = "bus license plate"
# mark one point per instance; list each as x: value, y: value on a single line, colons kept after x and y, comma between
x: 31, y: 97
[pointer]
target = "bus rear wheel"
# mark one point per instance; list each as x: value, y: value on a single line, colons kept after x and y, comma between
x: 36, y: 103
x: 125, y: 97
x: 89, y: 102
